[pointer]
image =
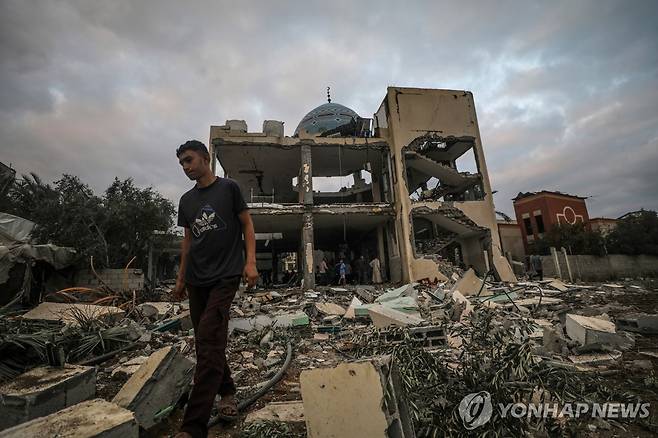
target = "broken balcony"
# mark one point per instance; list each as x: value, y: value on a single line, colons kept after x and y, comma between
x: 431, y: 170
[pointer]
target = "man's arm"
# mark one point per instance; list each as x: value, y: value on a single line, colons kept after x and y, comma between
x: 250, y: 273
x: 179, y: 290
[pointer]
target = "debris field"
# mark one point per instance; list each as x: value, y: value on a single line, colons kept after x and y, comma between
x: 348, y: 361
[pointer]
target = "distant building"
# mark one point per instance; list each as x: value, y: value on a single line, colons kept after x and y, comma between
x: 603, y: 225
x: 538, y: 212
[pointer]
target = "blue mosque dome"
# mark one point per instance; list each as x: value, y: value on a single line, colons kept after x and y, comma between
x: 326, y: 117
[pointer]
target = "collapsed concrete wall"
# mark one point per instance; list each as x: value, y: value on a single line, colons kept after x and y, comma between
x: 428, y: 131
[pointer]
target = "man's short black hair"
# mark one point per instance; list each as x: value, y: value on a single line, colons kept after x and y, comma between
x: 192, y: 145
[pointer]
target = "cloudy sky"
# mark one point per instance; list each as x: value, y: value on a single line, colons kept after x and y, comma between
x: 566, y: 92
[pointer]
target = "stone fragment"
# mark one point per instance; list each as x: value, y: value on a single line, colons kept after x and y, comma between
x: 287, y: 412
x: 559, y: 285
x: 638, y: 322
x: 355, y: 400
x: 156, y: 309
x: 330, y: 309
x: 366, y: 293
x: 470, y: 284
x: 90, y: 419
x: 350, y: 312
x: 554, y: 340
x: 462, y: 307
x: 598, y: 359
x: 44, y: 390
x: 403, y: 291
x: 384, y: 317
x: 587, y: 331
x: 157, y: 385
x: 129, y: 367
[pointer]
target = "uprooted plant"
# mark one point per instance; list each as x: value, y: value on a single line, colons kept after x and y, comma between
x: 495, y: 356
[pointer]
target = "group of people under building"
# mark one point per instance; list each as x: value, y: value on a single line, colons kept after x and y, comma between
x: 343, y: 271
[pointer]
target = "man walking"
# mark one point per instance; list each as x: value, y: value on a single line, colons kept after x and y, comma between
x: 214, y: 217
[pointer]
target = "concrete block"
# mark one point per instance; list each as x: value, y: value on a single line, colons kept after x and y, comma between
x: 89, y: 419
x: 462, y: 307
x: 430, y: 336
x: 350, y: 312
x: 587, y: 331
x: 298, y: 319
x: 287, y: 412
x: 470, y: 284
x: 403, y: 291
x: 638, y: 322
x: 365, y: 293
x: 554, y: 341
x: 273, y: 128
x: 237, y: 125
x: 65, y: 312
x: 156, y: 385
x: 384, y: 317
x: 44, y: 390
x: 355, y: 400
x: 156, y: 309
x: 330, y: 309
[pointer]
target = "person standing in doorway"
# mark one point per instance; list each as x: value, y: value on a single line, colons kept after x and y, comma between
x: 322, y: 269
x: 342, y: 273
x: 376, y: 270
x: 215, y: 218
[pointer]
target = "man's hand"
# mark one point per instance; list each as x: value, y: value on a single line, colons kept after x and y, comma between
x: 179, y: 293
x: 250, y: 274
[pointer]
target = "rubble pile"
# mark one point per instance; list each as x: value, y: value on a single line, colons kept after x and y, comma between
x: 354, y: 360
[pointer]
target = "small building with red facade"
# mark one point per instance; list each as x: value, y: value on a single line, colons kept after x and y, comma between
x: 538, y: 212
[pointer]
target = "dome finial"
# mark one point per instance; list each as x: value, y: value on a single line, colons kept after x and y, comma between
x: 328, y: 95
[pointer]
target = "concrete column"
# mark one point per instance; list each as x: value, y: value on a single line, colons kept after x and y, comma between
x: 306, y: 191
x: 556, y: 260
x: 566, y: 260
x: 376, y: 190
x: 381, y: 254
x: 306, y: 176
x: 307, y: 251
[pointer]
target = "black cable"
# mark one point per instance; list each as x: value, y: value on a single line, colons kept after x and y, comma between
x: 263, y: 389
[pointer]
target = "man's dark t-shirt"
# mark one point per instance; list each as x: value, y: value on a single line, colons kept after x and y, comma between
x: 211, y: 214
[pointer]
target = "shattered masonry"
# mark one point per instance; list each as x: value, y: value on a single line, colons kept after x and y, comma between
x: 416, y: 206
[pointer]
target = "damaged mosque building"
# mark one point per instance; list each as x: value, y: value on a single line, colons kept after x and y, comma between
x: 420, y: 194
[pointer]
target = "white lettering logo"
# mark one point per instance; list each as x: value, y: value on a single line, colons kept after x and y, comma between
x: 475, y: 409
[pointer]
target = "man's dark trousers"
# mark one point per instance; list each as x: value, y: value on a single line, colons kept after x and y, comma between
x: 209, y: 311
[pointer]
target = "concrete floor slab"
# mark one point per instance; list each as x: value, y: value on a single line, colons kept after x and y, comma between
x: 156, y: 385
x: 89, y: 419
x: 44, y: 390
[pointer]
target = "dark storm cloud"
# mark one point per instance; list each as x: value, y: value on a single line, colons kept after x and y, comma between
x: 566, y: 92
